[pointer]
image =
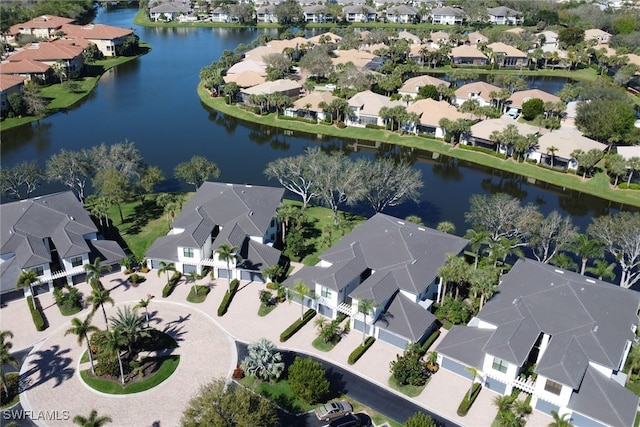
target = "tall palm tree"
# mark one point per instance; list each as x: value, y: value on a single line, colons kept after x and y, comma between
x: 112, y: 344
x: 455, y: 270
x: 130, y: 325
x: 302, y: 290
x: 560, y: 421
x: 503, y: 403
x: 477, y: 239
x: 365, y: 306
x: 474, y: 373
x: 26, y: 279
x: 98, y: 298
x: 586, y: 248
x: 94, y: 272
x: 144, y: 303
x: 228, y: 253
x: 166, y: 267
x: 92, y: 421
x: 82, y: 328
x: 602, y: 269
x: 6, y: 358
x: 286, y: 214
x: 634, y: 165
x: 552, y: 150
x: 192, y: 277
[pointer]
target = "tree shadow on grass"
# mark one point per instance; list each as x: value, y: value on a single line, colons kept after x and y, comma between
x: 50, y: 364
x: 146, y: 211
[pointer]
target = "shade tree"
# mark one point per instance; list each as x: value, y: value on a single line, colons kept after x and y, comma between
x: 20, y: 180
x: 196, y: 171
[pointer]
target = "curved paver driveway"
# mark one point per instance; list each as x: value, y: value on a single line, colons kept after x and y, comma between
x: 206, y: 352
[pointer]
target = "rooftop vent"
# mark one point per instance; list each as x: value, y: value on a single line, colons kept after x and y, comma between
x: 421, y: 229
x: 590, y: 280
x: 401, y: 222
x: 515, y: 300
x: 595, y: 328
x: 551, y: 284
x: 414, y: 261
x: 559, y: 271
x: 71, y: 218
x: 250, y: 213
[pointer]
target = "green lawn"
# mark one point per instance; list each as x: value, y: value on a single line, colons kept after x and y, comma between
x: 324, y: 346
x: 598, y: 186
x: 263, y: 310
x: 65, y: 311
x: 279, y: 392
x: 203, y: 291
x: 407, y: 390
x: 168, y: 366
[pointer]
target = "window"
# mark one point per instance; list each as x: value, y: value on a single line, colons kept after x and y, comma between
x: 500, y: 365
x: 76, y: 261
x: 187, y: 252
x: 38, y: 270
x: 326, y: 292
x: 553, y: 387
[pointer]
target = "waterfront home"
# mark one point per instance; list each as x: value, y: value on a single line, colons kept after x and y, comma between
x: 168, y: 10
x: 468, y: 55
x: 248, y: 65
x: 290, y: 88
x: 503, y: 15
x: 317, y: 13
x: 391, y: 262
x: 476, y: 38
x: 109, y: 40
x: 558, y: 146
x: 547, y: 37
x: 52, y: 235
x: 413, y: 85
x: 9, y: 84
x: 294, y: 43
x: 309, y: 106
x: 479, y: 134
x: 266, y: 14
x: 52, y: 54
x: 220, y: 15
x: 246, y: 78
x: 402, y: 14
x: 258, y: 53
x: 431, y: 112
x: 360, y: 58
x: 557, y: 335
x: 365, y: 109
x: 41, y: 27
x: 517, y: 99
x: 438, y: 39
x: 507, y: 56
x: 411, y: 38
x: 480, y: 91
x: 327, y: 37
x: 240, y: 216
x: 447, y: 15
x: 30, y: 70
x: 420, y: 53
x: 360, y: 13
x: 600, y: 36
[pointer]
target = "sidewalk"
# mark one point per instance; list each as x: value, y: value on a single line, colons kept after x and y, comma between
x: 207, y: 353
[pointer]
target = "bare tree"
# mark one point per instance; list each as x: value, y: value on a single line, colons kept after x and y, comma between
x: 388, y: 183
x: 296, y: 174
x: 551, y: 234
x: 25, y: 176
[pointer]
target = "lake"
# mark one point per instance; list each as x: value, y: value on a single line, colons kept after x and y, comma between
x: 152, y: 101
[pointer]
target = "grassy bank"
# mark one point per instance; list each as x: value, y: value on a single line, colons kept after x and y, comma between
x: 61, y: 98
x: 597, y: 186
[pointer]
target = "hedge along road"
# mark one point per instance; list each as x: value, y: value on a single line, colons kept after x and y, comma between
x: 369, y: 394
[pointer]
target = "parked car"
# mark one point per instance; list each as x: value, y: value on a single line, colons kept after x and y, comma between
x: 332, y: 410
x: 351, y: 420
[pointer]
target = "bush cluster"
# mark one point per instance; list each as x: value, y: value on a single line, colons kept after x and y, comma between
x: 466, y: 403
x: 228, y: 297
x: 429, y: 341
x: 67, y: 298
x: 631, y: 186
x: 173, y: 282
x: 359, y: 351
x: 136, y: 278
x: 481, y: 150
x: 36, y: 314
x: 297, y: 325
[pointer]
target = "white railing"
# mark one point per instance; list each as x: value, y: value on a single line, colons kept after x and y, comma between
x: 206, y: 262
x: 528, y: 386
x: 525, y: 385
x: 345, y: 308
x: 58, y: 275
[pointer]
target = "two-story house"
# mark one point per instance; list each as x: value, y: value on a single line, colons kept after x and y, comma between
x: 360, y: 13
x: 41, y: 27
x: 447, y: 15
x: 9, y: 84
x: 241, y: 216
x: 402, y: 14
x: 169, y: 10
x: 365, y: 108
x: 503, y: 15
x: 557, y: 335
x: 317, y: 13
x: 392, y: 263
x: 507, y: 56
x: 53, y: 236
x: 52, y: 54
x: 107, y: 38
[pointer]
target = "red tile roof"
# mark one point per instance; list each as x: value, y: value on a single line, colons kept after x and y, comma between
x: 72, y: 41
x: 26, y: 66
x: 7, y: 82
x: 46, y: 52
x: 96, y: 31
x: 51, y: 22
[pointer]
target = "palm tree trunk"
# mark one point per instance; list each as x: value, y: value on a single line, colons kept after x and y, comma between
x: 364, y: 329
x: 86, y: 338
x: 229, y: 276
x: 4, y: 385
x: 121, y: 369
x: 584, y: 265
x: 104, y: 313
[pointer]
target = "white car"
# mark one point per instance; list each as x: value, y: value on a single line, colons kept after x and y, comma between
x: 330, y: 86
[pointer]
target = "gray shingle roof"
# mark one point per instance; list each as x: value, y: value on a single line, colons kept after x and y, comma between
x: 9, y: 272
x: 465, y: 344
x: 108, y: 251
x: 405, y: 318
x: 502, y: 11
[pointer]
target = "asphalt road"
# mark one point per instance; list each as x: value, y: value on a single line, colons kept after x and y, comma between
x: 369, y: 394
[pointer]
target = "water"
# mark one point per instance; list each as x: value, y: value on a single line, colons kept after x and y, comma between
x: 152, y: 101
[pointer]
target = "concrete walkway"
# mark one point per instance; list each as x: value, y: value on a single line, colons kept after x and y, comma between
x: 206, y: 353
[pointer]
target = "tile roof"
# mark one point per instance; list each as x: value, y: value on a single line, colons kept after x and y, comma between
x: 46, y: 51
x: 314, y: 99
x: 282, y: 85
x: 50, y: 22
x: 8, y: 81
x: 96, y: 31
x: 520, y: 97
x: 414, y: 84
x: 447, y: 11
x: 481, y: 88
x: 24, y: 66
x: 405, y: 318
x: 246, y: 78
x: 431, y: 111
x: 508, y: 50
x: 483, y: 129
x: 465, y: 51
x: 370, y: 103
x: 502, y: 11
x: 566, y: 141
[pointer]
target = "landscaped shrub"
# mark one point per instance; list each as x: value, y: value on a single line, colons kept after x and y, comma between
x: 273, y: 286
x: 136, y: 278
x: 359, y: 351
x: 372, y: 126
x: 408, y: 369
x: 429, y: 341
x: 228, y: 297
x: 482, y: 150
x: 173, y: 282
x: 13, y: 382
x: 67, y: 299
x: 36, y: 315
x: 341, y: 125
x: 297, y: 325
x: 466, y: 403
x: 631, y: 186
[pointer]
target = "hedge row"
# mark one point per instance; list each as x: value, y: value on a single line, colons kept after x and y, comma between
x: 36, y: 315
x: 359, y: 351
x: 173, y: 282
x: 632, y: 186
x: 297, y: 325
x: 482, y: 150
x: 429, y: 341
x: 466, y: 402
x: 228, y: 297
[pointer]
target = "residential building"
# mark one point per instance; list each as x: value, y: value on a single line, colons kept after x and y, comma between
x: 220, y: 15
x: 360, y: 13
x: 600, y: 36
x: 573, y: 332
x: 31, y: 70
x: 437, y: 39
x: 503, y: 15
x: 402, y: 14
x: 468, y: 56
x: 169, y: 10
x: 317, y: 13
x: 480, y: 91
x: 475, y: 38
x: 507, y: 56
x: 290, y: 88
x: 327, y: 37
x: 447, y: 15
x: 564, y: 143
x: 410, y: 37
x: 108, y: 39
x: 517, y: 99
x: 246, y: 78
x: 309, y: 106
x: 52, y: 54
x: 365, y: 109
x: 360, y: 58
x: 53, y: 236
x: 41, y: 27
x: 266, y: 14
x: 431, y: 112
x: 392, y: 263
x: 9, y: 84
x: 480, y: 133
x: 241, y: 216
x: 413, y: 85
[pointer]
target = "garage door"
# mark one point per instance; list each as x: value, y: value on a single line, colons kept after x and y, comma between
x: 546, y: 407
x: 188, y: 268
x: 223, y: 273
x: 456, y: 367
x: 245, y: 275
x: 80, y: 278
x: 325, y: 311
x: 393, y: 339
x: 495, y: 385
x: 155, y: 264
x: 580, y: 420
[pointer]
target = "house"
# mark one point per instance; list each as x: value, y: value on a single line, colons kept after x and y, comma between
x: 629, y: 152
x: 421, y: 53
x: 52, y: 54
x: 480, y: 91
x: 565, y: 142
x: 31, y: 70
x: 317, y: 13
x: 547, y: 37
x: 169, y: 10
x: 9, y: 84
x: 413, y: 85
x: 53, y: 236
x: 389, y: 261
x: 447, y: 16
x: 365, y: 109
x: 309, y: 106
x: 248, y: 65
x: 411, y: 38
x: 294, y: 43
x: 246, y: 78
x: 360, y: 13
x: 402, y: 14
x: 437, y: 39
x: 360, y: 58
x: 503, y: 15
x: 507, y: 56
x: 475, y: 38
x: 600, y: 36
x: 108, y: 39
x: 241, y: 216
x: 220, y: 15
x: 431, y: 112
x: 41, y: 27
x: 286, y: 87
x: 266, y: 14
x: 572, y: 331
x: 468, y: 55
x: 515, y: 101
x: 327, y: 37
x: 257, y: 54
x: 480, y: 133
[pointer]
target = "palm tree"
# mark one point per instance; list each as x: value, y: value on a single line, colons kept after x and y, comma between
x: 92, y: 421
x: 130, y: 325
x: 634, y: 165
x: 112, y: 344
x: 166, y: 267
x: 602, y: 269
x: 263, y: 361
x: 560, y: 421
x: 365, y: 306
x: 302, y: 290
x: 455, y: 270
x: 446, y: 227
x: 586, y: 248
x: 144, y: 303
x: 477, y: 239
x: 192, y: 277
x: 6, y: 358
x: 94, y: 272
x: 99, y: 297
x: 286, y: 214
x: 27, y: 278
x: 552, y: 150
x: 484, y: 282
x: 82, y: 328
x: 503, y: 403
x: 227, y: 253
